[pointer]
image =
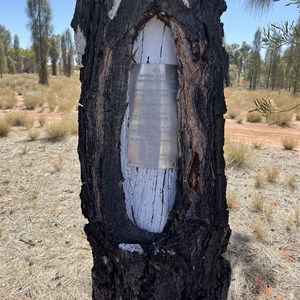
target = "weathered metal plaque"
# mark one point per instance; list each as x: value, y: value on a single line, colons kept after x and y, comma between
x: 152, y: 116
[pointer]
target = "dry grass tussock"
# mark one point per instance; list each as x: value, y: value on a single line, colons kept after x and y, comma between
x: 4, y: 128
x: 265, y: 245
x: 237, y: 154
x: 43, y: 249
x: 8, y: 98
x: 61, y: 129
x: 240, y: 101
x: 62, y: 93
x: 289, y: 142
x: 20, y: 118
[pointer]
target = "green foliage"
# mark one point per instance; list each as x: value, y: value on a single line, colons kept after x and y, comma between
x: 238, y: 56
x: 39, y: 13
x: 280, y: 68
x: 266, y: 108
x: 254, y: 68
x: 2, y: 59
x: 67, y: 50
x: 5, y: 37
x: 54, y: 52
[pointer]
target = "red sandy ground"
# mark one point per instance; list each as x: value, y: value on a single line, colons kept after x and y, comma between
x: 268, y: 135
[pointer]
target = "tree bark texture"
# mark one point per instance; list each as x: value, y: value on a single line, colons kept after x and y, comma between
x: 185, y: 260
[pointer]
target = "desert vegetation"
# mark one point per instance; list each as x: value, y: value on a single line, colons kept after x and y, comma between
x: 43, y: 249
x: 240, y: 102
x: 40, y: 192
x: 263, y: 200
x: 49, y: 112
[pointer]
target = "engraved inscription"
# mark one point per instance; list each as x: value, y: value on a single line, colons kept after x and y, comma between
x: 152, y: 116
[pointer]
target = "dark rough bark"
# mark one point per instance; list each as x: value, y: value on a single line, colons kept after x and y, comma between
x: 185, y: 261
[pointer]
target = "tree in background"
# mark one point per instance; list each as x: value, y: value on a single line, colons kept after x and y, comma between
x: 294, y: 60
x: 67, y: 53
x: 28, y: 60
x: 255, y: 61
x: 54, y: 52
x: 17, y: 53
x: 272, y: 60
x: 5, y: 40
x: 11, y: 64
x: 39, y: 13
x: 5, y: 37
x: 2, y: 57
x: 238, y: 56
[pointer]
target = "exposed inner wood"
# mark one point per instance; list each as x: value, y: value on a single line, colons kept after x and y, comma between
x: 149, y: 193
x: 114, y: 9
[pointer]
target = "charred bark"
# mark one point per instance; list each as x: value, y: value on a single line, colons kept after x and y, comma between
x: 185, y: 260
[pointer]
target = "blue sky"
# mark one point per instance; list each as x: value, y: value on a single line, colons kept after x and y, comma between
x: 240, y: 24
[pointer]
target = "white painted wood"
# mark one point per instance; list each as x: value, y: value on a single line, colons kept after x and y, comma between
x: 80, y: 43
x: 149, y: 193
x: 156, y: 43
x: 186, y: 3
x: 131, y: 248
x: 113, y: 12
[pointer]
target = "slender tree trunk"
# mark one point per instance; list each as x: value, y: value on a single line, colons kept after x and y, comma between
x: 184, y: 261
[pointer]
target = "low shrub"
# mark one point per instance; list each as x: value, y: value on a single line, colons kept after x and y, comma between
x: 33, y: 100
x: 260, y: 230
x: 7, y: 99
x: 33, y: 134
x: 259, y: 180
x: 254, y: 117
x: 272, y: 173
x: 19, y: 118
x: 237, y: 154
x: 57, y: 130
x: 4, y: 128
x: 42, y: 120
x: 257, y: 144
x: 232, y: 113
x: 65, y: 104
x: 281, y: 119
x: 257, y: 202
x: 289, y: 142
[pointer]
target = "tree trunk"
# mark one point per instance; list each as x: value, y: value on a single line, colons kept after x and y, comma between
x: 183, y: 258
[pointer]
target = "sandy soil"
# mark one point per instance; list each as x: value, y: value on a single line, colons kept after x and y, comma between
x: 43, y: 250
x: 270, y: 135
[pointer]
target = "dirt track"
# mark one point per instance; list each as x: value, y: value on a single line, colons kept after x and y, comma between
x: 269, y: 135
